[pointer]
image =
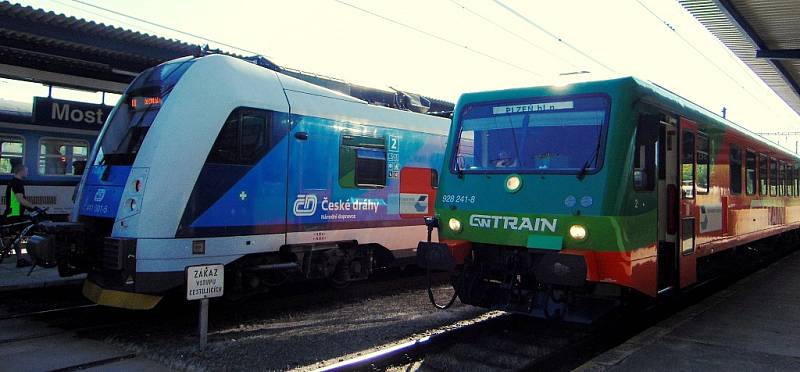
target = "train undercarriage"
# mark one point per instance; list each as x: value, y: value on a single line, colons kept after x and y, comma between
x: 111, y: 265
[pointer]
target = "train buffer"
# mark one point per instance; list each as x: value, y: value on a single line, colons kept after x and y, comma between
x: 13, y: 278
x: 753, y: 325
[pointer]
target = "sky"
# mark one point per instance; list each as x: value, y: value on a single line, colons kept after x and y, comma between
x: 442, y: 48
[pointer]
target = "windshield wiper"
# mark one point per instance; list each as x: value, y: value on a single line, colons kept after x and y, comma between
x: 582, y: 173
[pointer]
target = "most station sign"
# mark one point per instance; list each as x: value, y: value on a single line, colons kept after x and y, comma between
x: 69, y: 114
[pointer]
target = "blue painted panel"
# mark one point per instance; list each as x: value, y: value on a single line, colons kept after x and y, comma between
x: 101, y: 197
x: 308, y: 194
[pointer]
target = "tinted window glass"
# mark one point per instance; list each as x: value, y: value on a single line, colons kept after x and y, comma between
x: 736, y: 169
x: 530, y: 136
x: 703, y: 164
x: 226, y: 147
x: 254, y: 136
x: 243, y: 139
x: 62, y: 157
x: 773, y: 177
x: 750, y: 166
x: 362, y: 161
x: 763, y: 186
x: 11, y: 152
x: 370, y: 167
x: 644, y: 158
x: 687, y: 164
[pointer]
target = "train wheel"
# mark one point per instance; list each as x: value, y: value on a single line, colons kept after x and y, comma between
x: 341, y: 276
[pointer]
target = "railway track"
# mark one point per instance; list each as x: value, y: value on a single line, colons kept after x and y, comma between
x: 520, y: 343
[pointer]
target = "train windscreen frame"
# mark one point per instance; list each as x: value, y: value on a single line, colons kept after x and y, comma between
x: 560, y: 135
x: 136, y: 112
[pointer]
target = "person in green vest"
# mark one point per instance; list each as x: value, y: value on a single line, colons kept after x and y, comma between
x: 17, y: 205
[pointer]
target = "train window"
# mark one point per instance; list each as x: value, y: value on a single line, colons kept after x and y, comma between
x: 253, y: 143
x: 703, y: 164
x: 243, y: 139
x: 750, y: 173
x: 62, y: 157
x: 12, y: 149
x: 687, y: 236
x: 362, y: 162
x: 782, y: 179
x: 773, y: 177
x: 644, y: 158
x: 796, y: 180
x: 736, y: 169
x: 763, y: 186
x: 789, y: 180
x: 687, y: 165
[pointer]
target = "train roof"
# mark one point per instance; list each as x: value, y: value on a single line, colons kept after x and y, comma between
x: 313, y: 100
x: 15, y: 111
x: 646, y: 90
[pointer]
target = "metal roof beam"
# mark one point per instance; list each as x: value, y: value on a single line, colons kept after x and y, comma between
x: 744, y: 27
x: 779, y: 54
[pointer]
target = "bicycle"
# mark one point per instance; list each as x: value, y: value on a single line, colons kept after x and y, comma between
x: 11, y: 241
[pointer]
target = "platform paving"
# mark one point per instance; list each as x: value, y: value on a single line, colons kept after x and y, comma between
x: 754, y: 325
x: 14, y: 278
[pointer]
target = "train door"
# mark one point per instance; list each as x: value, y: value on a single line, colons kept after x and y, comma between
x: 669, y: 203
x: 688, y: 194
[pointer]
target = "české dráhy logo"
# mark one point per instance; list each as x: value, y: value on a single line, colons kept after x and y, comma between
x: 305, y: 205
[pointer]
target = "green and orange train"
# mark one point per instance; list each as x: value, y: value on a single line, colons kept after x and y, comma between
x: 560, y: 200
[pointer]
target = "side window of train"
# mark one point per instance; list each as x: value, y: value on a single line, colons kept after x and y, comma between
x: 736, y: 169
x: 763, y: 167
x: 750, y: 173
x: 773, y: 177
x: 687, y: 164
x: 243, y: 139
x: 703, y: 164
x: 782, y: 179
x: 12, y: 149
x: 789, y: 180
x: 362, y: 161
x: 62, y: 157
x: 644, y: 157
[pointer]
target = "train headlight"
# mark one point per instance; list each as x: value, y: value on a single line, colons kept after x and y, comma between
x: 513, y: 183
x: 137, y: 185
x: 132, y: 204
x: 577, y: 232
x: 454, y: 225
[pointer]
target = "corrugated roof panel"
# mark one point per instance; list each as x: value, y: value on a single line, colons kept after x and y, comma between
x: 775, y: 24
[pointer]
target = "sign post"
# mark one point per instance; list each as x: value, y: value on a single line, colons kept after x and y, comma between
x: 204, y: 282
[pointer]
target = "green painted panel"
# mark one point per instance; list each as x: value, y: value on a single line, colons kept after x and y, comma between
x: 553, y: 242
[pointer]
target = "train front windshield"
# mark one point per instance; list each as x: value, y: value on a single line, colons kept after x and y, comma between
x: 136, y: 112
x: 563, y: 135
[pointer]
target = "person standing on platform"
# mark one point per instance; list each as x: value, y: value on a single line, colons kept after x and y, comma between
x: 17, y: 205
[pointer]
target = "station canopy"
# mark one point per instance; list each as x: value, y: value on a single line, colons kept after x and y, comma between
x: 50, y: 48
x: 764, y: 34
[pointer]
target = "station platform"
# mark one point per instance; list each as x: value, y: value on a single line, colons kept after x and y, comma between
x: 15, y: 278
x: 753, y: 325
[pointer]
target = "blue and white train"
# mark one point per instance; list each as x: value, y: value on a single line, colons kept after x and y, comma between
x: 214, y: 160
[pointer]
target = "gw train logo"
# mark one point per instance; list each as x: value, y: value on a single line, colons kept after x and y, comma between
x: 512, y: 223
x: 305, y: 205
